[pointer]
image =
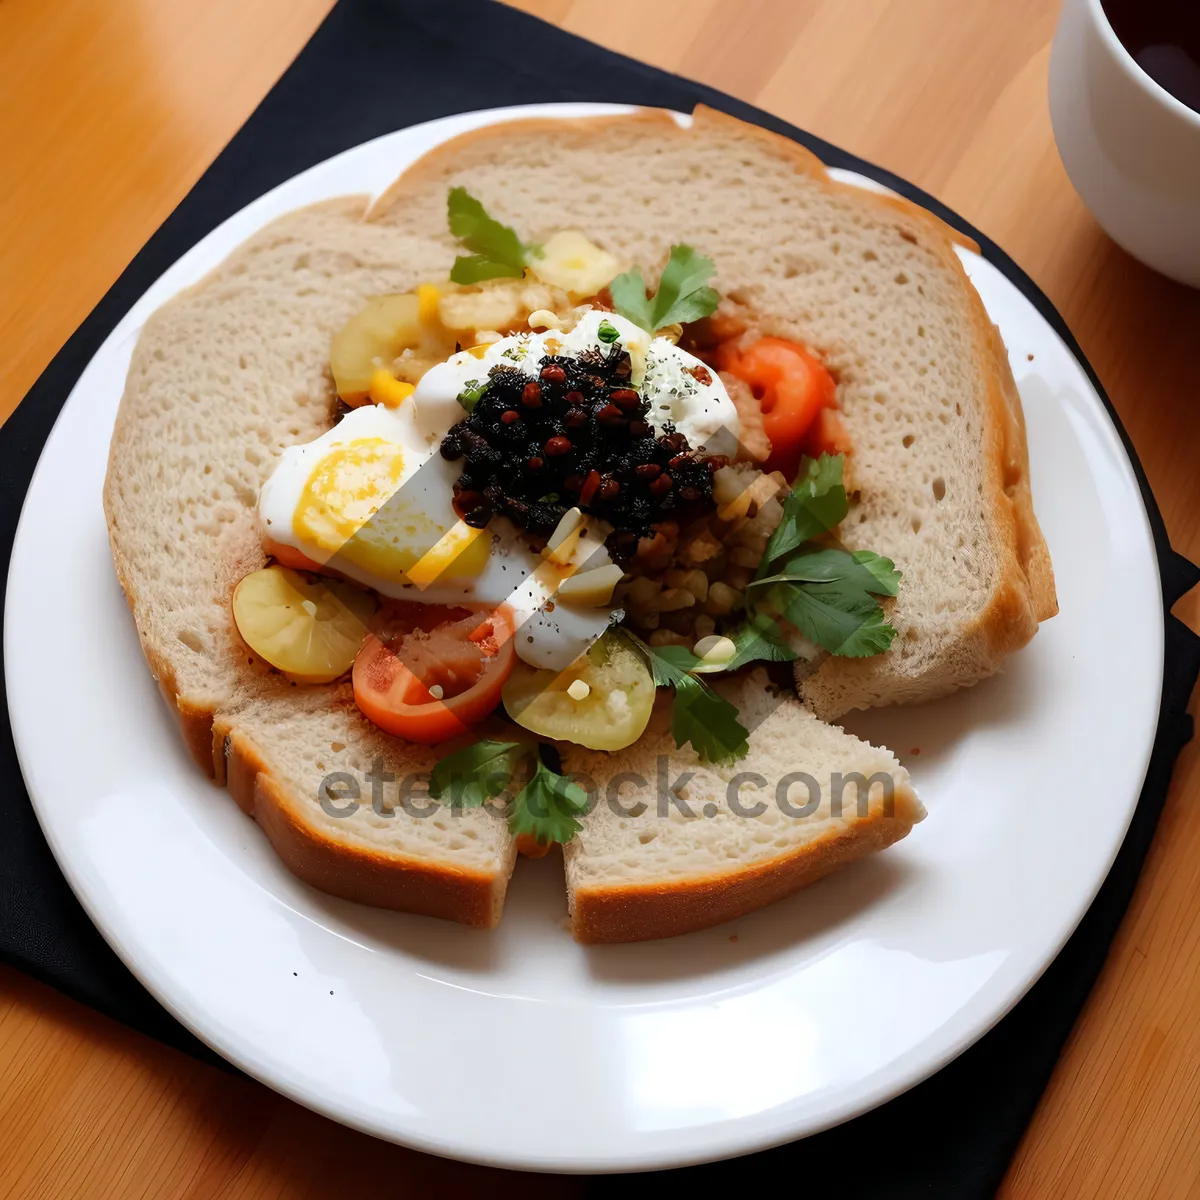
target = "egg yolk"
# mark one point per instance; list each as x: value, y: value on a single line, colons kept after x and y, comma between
x: 353, y: 505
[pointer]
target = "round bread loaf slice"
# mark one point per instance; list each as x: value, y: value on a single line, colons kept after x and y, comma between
x: 224, y: 377
x: 873, y: 285
x: 673, y: 844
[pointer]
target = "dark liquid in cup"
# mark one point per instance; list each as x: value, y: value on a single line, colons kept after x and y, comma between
x: 1163, y: 36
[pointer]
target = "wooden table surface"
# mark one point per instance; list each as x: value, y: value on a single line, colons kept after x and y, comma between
x: 110, y: 110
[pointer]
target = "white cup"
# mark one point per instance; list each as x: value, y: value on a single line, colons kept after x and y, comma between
x: 1131, y: 149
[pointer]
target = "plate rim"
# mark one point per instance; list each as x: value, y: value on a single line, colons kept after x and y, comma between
x: 146, y: 972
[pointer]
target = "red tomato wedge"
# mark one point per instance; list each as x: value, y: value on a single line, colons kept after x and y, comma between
x: 793, y: 388
x: 413, y: 648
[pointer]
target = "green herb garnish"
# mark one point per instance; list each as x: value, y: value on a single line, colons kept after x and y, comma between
x: 544, y: 808
x: 471, y: 393
x: 475, y: 773
x: 607, y: 332
x: 827, y: 592
x: 496, y: 251
x: 758, y: 639
x: 864, y: 570
x: 816, y: 504
x: 844, y: 619
x: 698, y: 715
x: 683, y: 293
x: 883, y: 569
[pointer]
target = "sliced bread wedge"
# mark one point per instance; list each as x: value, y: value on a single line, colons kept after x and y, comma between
x: 674, y: 845
x: 871, y: 283
x: 223, y: 378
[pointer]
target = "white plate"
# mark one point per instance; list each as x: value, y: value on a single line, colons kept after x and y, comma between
x: 519, y: 1047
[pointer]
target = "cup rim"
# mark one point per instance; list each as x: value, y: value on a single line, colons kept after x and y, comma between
x: 1137, y: 73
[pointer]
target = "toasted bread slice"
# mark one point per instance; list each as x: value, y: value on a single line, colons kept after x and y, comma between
x: 710, y: 843
x: 871, y: 283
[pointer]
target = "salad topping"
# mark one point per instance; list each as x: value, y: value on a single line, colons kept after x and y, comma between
x: 568, y: 494
x: 577, y: 435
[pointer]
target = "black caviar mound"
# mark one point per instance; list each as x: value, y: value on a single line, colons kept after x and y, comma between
x: 574, y: 435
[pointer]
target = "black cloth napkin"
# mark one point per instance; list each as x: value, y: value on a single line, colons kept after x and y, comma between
x: 378, y: 65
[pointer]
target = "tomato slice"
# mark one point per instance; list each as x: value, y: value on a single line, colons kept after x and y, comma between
x: 412, y: 648
x: 793, y: 388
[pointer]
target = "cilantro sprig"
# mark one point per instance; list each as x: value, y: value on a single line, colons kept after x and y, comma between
x: 863, y: 569
x: 698, y: 714
x: 758, y: 639
x: 816, y: 504
x: 683, y: 293
x: 545, y: 808
x: 827, y: 592
x: 496, y: 250
x: 476, y: 773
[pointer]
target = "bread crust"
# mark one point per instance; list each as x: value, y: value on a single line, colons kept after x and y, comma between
x: 1033, y: 555
x: 644, y: 912
x: 351, y: 871
x: 195, y: 720
x: 431, y: 163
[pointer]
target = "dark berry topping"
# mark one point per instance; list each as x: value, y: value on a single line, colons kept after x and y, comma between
x: 576, y: 434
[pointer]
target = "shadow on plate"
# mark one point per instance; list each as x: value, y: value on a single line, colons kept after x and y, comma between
x: 535, y: 908
x: 814, y: 914
x: 922, y: 736
x: 535, y: 912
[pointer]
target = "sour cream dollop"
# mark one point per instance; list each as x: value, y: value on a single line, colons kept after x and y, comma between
x: 680, y: 389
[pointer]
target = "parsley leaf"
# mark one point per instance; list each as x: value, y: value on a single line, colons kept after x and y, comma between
x: 873, y: 636
x: 816, y: 504
x: 496, y: 251
x: 698, y: 715
x: 629, y: 297
x: 475, y: 773
x: 882, y: 568
x: 842, y: 618
x: 476, y: 268
x: 546, y: 807
x: 827, y: 592
x: 758, y: 639
x: 865, y: 570
x: 683, y: 293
